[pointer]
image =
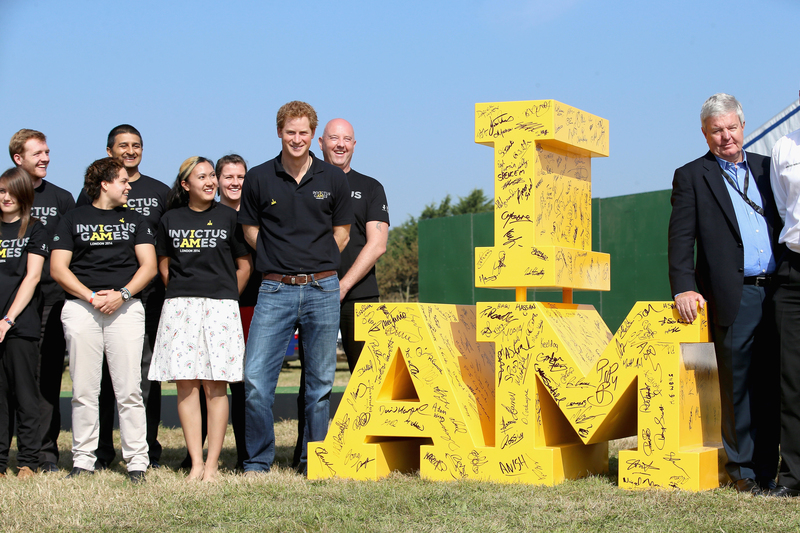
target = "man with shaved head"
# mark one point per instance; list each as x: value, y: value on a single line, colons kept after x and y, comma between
x: 368, y: 236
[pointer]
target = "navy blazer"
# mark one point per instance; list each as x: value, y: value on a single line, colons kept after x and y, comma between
x: 702, y: 212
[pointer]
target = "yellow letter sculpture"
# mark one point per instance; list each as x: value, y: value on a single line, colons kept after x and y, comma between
x: 527, y: 391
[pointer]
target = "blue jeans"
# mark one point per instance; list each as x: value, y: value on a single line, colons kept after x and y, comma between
x: 314, y: 309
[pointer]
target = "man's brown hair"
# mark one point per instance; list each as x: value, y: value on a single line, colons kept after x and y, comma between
x: 297, y: 109
x: 18, y: 140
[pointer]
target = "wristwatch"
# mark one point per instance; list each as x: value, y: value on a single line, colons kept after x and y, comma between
x: 125, y: 293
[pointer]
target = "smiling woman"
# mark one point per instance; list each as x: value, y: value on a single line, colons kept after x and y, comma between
x: 204, y: 264
x: 104, y: 255
x: 23, y: 249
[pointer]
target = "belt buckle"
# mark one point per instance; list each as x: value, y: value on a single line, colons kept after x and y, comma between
x: 760, y: 281
x: 294, y: 279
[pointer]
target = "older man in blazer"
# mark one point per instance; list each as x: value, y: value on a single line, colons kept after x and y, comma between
x: 722, y: 203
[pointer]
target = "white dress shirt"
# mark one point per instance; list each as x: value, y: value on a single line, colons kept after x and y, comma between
x: 785, y: 179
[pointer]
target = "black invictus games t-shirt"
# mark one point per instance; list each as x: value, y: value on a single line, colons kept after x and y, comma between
x: 202, y: 248
x: 369, y: 205
x: 147, y: 196
x: 102, y: 242
x: 296, y: 221
x: 13, y: 268
x: 50, y: 203
x: 249, y: 296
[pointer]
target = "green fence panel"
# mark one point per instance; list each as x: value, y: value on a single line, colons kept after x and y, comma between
x: 632, y: 229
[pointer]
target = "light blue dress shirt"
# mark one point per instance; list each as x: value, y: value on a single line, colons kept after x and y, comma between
x: 758, y: 258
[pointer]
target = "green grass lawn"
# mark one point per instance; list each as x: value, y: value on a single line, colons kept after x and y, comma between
x: 284, y: 501
x: 289, y: 377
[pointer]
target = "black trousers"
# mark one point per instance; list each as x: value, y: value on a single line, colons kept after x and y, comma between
x: 347, y: 324
x: 352, y: 349
x: 19, y: 395
x: 52, y: 351
x: 747, y: 359
x: 787, y: 315
x: 153, y: 301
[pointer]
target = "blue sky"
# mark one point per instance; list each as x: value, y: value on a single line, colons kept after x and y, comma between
x: 206, y: 78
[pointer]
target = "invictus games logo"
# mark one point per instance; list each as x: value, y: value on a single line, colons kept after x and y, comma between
x: 12, y: 248
x: 142, y: 205
x: 192, y: 240
x: 43, y: 212
x: 321, y: 195
x: 101, y: 234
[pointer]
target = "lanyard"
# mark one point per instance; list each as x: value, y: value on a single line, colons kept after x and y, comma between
x: 758, y: 209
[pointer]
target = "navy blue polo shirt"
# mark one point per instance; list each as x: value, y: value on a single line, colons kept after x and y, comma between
x: 295, y: 221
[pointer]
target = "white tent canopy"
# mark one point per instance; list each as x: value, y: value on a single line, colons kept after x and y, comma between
x: 764, y: 138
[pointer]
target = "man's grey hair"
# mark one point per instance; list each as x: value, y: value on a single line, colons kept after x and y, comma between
x: 718, y: 105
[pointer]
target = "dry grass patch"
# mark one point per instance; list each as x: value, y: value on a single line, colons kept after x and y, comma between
x: 283, y: 501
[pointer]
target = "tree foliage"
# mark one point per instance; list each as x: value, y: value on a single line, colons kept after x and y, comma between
x: 398, y: 269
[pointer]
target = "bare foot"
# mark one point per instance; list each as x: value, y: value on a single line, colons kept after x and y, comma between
x: 196, y: 473
x: 210, y: 474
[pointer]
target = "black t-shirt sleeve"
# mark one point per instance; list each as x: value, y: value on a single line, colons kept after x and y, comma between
x: 39, y: 242
x: 250, y: 206
x: 343, y: 206
x: 144, y: 233
x: 378, y: 208
x: 62, y: 239
x: 239, y: 247
x: 83, y: 199
x: 66, y: 201
x: 161, y: 239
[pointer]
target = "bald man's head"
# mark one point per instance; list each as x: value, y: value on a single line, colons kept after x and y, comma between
x: 337, y: 143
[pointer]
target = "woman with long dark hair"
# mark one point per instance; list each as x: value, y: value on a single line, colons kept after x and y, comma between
x: 23, y: 249
x: 200, y: 342
x: 103, y: 256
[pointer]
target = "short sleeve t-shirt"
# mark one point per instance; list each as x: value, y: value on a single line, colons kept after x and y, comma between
x: 50, y: 203
x: 14, y: 254
x: 296, y: 221
x: 369, y: 205
x: 202, y: 247
x: 102, y: 242
x: 249, y: 296
x: 147, y: 196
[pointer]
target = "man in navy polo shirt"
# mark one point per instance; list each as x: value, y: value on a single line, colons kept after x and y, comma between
x: 296, y: 213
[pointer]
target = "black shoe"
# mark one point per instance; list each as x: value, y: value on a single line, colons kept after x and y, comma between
x: 783, y: 492
x: 101, y: 464
x: 186, y: 464
x: 766, y: 485
x: 136, y: 476
x: 77, y: 471
x: 747, y: 486
x: 154, y: 464
x: 48, y: 466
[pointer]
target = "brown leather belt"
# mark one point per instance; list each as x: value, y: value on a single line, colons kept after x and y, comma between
x: 299, y: 279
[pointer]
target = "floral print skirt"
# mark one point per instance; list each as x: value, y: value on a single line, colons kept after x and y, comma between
x: 199, y: 338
